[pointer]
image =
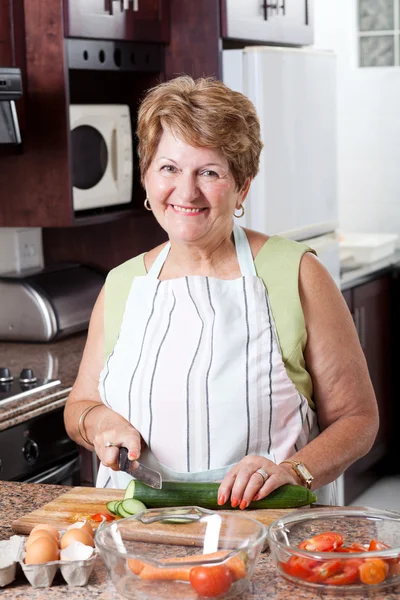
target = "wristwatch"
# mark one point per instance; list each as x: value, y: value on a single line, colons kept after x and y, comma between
x: 301, y: 470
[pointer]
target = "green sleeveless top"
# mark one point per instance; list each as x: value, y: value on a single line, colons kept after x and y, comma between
x: 277, y: 264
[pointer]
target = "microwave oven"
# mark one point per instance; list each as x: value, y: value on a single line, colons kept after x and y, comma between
x: 101, y: 151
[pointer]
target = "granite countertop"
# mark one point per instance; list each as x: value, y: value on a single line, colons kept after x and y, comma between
x: 58, y: 360
x: 16, y: 498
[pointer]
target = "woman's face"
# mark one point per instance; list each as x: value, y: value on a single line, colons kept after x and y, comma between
x: 192, y: 191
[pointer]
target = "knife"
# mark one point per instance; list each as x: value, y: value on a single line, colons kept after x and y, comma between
x: 139, y: 471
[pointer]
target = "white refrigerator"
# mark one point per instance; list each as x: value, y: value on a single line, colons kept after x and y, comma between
x: 294, y: 194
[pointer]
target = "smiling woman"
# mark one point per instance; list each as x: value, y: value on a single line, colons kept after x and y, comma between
x: 223, y: 355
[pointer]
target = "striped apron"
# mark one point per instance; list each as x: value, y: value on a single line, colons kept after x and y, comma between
x: 198, y: 371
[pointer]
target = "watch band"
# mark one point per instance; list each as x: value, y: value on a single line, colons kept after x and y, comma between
x: 301, y: 471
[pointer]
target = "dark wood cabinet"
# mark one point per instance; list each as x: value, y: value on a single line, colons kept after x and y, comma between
x: 370, y: 305
x: 132, y: 20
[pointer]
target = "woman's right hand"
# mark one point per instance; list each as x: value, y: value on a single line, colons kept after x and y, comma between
x: 104, y: 425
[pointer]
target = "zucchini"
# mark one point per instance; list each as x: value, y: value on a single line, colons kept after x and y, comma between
x: 178, y: 493
x: 121, y: 512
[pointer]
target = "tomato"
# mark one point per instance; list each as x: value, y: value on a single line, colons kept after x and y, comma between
x: 377, y: 545
x: 324, y: 542
x: 348, y: 573
x: 324, y: 570
x: 354, y: 547
x: 101, y: 516
x: 299, y: 567
x: 211, y: 581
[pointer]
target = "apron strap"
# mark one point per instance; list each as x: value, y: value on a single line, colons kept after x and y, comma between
x: 243, y: 251
x: 157, y: 265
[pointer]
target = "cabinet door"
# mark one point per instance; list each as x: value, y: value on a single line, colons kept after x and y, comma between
x: 370, y: 304
x: 133, y: 20
x: 279, y: 21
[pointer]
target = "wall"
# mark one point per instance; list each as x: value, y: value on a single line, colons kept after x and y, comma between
x: 368, y: 126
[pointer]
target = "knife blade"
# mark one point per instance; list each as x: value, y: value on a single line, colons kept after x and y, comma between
x: 138, y: 471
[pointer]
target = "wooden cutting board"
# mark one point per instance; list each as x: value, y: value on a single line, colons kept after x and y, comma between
x: 63, y: 511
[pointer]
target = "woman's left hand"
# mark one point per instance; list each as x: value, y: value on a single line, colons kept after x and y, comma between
x: 244, y: 483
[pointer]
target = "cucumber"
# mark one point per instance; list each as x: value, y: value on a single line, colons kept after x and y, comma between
x: 111, y: 506
x: 121, y: 512
x: 177, y: 493
x: 132, y: 506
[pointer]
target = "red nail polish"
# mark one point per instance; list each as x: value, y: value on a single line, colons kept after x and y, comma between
x: 234, y: 502
x: 221, y: 499
x: 132, y: 456
x: 244, y: 504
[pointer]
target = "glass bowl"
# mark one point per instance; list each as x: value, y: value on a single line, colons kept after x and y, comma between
x: 182, y: 553
x: 351, y: 566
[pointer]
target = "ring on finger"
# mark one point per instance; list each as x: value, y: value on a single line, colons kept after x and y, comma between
x: 263, y: 474
x: 110, y: 444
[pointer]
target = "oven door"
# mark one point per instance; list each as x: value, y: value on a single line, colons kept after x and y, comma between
x: 66, y: 473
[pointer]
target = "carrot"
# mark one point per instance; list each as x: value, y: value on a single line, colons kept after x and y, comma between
x: 135, y: 565
x: 235, y: 564
x: 373, y: 570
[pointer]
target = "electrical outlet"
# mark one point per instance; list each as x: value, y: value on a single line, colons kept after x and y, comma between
x: 20, y: 249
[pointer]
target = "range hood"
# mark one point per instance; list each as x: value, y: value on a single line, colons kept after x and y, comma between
x: 10, y: 90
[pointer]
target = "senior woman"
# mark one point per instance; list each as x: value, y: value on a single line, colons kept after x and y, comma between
x: 222, y: 355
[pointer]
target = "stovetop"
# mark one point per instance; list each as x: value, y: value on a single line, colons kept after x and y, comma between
x: 25, y: 384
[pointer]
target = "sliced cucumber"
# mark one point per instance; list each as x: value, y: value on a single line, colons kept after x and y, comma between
x: 132, y: 506
x: 122, y: 512
x: 130, y: 490
x: 111, y: 506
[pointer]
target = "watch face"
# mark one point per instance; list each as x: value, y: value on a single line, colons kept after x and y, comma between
x: 304, y: 472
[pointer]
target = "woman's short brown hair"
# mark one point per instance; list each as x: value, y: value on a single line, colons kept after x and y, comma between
x: 204, y: 113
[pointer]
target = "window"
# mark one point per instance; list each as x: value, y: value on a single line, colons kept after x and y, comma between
x: 379, y: 33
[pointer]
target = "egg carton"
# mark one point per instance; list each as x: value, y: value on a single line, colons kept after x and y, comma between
x: 74, y: 572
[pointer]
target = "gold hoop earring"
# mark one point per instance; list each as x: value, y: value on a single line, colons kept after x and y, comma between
x: 241, y: 214
x: 147, y: 204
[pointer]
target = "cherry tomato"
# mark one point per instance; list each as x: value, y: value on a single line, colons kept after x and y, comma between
x: 354, y: 547
x: 347, y: 574
x: 377, y: 545
x: 101, y: 516
x: 299, y: 567
x: 211, y: 581
x: 324, y: 542
x: 324, y: 570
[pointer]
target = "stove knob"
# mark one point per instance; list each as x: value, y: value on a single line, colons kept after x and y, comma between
x: 31, y: 451
x: 5, y: 375
x: 27, y: 376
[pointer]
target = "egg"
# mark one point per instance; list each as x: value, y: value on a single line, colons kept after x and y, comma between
x: 38, y: 534
x: 76, y: 535
x: 48, y: 528
x: 85, y: 525
x: 76, y: 551
x: 42, y: 550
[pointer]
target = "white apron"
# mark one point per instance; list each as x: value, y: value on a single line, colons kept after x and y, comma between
x: 198, y: 371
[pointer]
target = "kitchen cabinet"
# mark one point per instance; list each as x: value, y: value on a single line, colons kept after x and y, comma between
x: 268, y: 21
x: 370, y: 305
x: 133, y: 20
x: 36, y: 176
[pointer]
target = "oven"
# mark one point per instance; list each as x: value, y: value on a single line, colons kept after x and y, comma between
x: 39, y: 451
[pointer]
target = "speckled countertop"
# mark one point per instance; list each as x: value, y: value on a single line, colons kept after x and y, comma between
x: 59, y: 360
x: 22, y: 497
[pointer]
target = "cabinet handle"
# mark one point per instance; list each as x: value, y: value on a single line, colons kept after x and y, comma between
x: 306, y: 16
x: 135, y: 5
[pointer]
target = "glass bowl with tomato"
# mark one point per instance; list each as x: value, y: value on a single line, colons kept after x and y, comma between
x: 342, y: 549
x: 183, y: 553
